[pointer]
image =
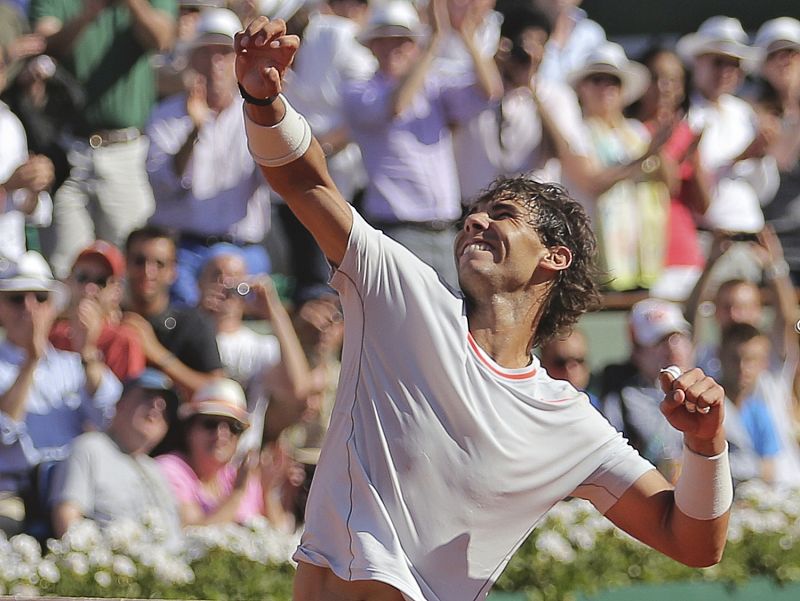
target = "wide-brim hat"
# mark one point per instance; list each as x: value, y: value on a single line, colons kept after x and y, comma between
x: 609, y: 58
x: 778, y: 34
x: 719, y: 35
x: 653, y: 319
x: 222, y: 397
x: 31, y: 273
x: 394, y: 19
x: 215, y: 27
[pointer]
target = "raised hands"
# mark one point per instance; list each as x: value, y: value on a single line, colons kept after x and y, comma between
x: 694, y: 404
x: 263, y: 54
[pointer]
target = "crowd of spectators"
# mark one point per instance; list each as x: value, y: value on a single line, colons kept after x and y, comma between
x: 125, y: 171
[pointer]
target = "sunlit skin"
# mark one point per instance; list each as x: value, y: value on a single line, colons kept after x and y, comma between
x: 151, y: 270
x: 216, y: 64
x: 210, y: 450
x: 565, y: 359
x: 715, y: 75
x: 782, y: 70
x: 738, y: 303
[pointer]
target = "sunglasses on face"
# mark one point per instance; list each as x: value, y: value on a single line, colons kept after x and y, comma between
x: 18, y: 299
x: 211, y: 424
x: 603, y: 79
x: 721, y: 62
x: 101, y: 281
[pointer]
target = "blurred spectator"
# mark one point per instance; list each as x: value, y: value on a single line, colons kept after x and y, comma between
x: 180, y: 342
x: 48, y: 396
x: 566, y: 359
x: 328, y: 56
x: 739, y: 300
x: 749, y: 428
x: 630, y: 201
x: 91, y: 323
x: 452, y: 56
x: 206, y: 185
x: 778, y: 99
x: 106, y: 46
x: 213, y: 485
x: 663, y: 103
x: 401, y: 119
x: 108, y: 476
x: 24, y: 181
x: 270, y: 367
x: 631, y: 396
x: 574, y: 36
x: 733, y: 144
x: 533, y: 121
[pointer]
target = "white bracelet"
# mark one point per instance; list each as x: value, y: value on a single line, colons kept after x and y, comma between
x: 279, y: 144
x: 704, y: 490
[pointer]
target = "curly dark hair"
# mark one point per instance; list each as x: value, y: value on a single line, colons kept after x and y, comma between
x: 559, y: 220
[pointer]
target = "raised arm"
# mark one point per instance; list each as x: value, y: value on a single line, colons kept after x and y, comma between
x: 297, y: 169
x: 690, y: 522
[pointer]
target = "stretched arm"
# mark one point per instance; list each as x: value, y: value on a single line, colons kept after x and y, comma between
x: 485, y: 68
x: 688, y: 523
x: 60, y: 37
x: 263, y: 53
x: 699, y: 294
x: 776, y: 272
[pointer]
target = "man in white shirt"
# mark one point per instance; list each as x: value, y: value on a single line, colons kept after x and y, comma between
x: 205, y: 183
x: 428, y: 479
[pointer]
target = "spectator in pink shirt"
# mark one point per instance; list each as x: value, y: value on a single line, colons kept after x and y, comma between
x: 211, y: 482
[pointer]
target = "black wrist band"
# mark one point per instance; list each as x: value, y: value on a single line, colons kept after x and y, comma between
x: 257, y: 101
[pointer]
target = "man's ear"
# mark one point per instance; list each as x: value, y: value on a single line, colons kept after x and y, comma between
x: 557, y: 258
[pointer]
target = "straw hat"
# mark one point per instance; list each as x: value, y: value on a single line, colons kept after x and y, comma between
x: 609, y: 58
x: 221, y: 397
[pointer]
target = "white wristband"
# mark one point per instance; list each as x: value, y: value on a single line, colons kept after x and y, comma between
x: 279, y: 144
x: 704, y: 490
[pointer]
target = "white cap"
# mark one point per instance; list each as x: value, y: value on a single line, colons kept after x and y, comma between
x: 216, y: 27
x: 220, y: 397
x: 719, y: 35
x: 610, y: 58
x: 30, y: 272
x: 778, y: 34
x: 393, y: 19
x: 652, y: 319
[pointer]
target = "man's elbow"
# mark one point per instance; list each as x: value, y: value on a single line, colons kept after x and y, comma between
x: 703, y: 557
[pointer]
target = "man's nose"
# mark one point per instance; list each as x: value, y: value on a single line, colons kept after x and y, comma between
x: 476, y: 222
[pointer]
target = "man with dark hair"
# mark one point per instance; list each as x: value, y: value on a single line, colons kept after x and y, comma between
x: 180, y: 342
x: 447, y: 441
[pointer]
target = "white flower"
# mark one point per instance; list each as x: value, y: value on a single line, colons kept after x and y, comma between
x: 24, y: 590
x: 123, y: 566
x: 582, y: 536
x: 78, y: 563
x: 48, y: 570
x: 83, y: 536
x: 26, y: 547
x: 553, y: 544
x: 100, y: 556
x: 102, y: 578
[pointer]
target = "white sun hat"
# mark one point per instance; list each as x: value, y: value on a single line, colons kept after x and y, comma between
x: 392, y: 19
x: 223, y: 397
x: 719, y: 35
x: 778, y: 34
x: 216, y: 27
x: 609, y: 58
x: 31, y: 273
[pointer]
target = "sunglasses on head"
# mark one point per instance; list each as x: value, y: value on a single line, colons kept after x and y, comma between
x: 18, y: 298
x: 101, y: 281
x: 212, y: 423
